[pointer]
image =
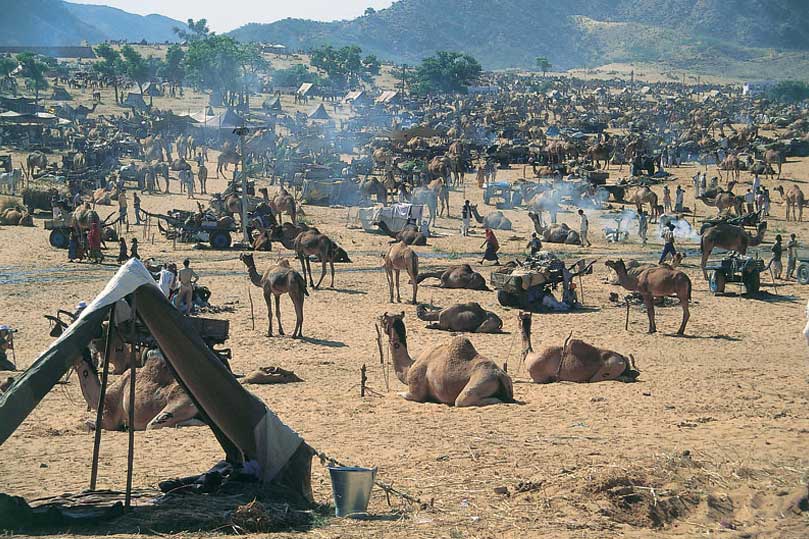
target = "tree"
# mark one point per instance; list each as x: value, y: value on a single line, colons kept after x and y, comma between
x: 33, y: 71
x: 252, y: 63
x: 214, y: 63
x: 789, y: 91
x: 7, y: 67
x: 369, y: 11
x: 174, y: 69
x: 110, y: 67
x: 448, y: 72
x: 135, y: 66
x: 294, y: 76
x: 194, y: 31
x: 344, y: 66
x: 544, y: 64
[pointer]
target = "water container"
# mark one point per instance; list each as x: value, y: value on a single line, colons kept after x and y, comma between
x: 352, y: 489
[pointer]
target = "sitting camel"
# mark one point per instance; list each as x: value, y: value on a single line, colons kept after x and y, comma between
x: 655, y: 282
x: 16, y: 216
x: 462, y: 276
x: 466, y: 317
x: 453, y: 373
x: 312, y: 242
x: 278, y: 280
x: 409, y: 234
x: 576, y: 361
x: 270, y: 376
x: 159, y: 400
x: 495, y: 220
x: 728, y: 237
x: 401, y: 257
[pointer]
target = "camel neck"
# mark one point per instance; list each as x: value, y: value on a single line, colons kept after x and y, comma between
x: 625, y: 280
x: 401, y: 360
x: 90, y: 389
x: 255, y: 278
x: 525, y: 327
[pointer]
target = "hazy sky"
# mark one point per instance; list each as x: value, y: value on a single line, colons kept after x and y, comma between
x: 225, y: 15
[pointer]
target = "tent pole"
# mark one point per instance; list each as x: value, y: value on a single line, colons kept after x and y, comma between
x: 100, y: 407
x: 131, y: 421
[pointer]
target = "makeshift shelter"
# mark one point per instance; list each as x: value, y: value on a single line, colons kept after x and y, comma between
x: 135, y: 101
x: 273, y: 106
x: 389, y: 97
x: 60, y: 94
x: 153, y: 89
x: 224, y: 120
x: 245, y: 428
x: 305, y: 89
x: 319, y: 113
x: 358, y: 98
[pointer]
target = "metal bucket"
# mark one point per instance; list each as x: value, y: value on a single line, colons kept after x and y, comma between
x: 352, y: 489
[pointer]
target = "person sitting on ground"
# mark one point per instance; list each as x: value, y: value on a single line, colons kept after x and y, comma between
x: 187, y: 278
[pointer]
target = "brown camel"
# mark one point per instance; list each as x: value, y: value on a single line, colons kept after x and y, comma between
x: 453, y: 373
x: 599, y: 153
x: 728, y: 237
x: 774, y: 158
x: 401, y: 257
x: 724, y: 200
x: 656, y: 282
x: 287, y: 232
x: 270, y: 376
x: 276, y: 281
x: 576, y: 361
x: 795, y: 200
x: 465, y: 317
x: 159, y: 400
x: 284, y: 202
x: 644, y: 195
x: 409, y: 234
x: 441, y: 190
x: 16, y: 216
x: 225, y: 158
x: 461, y: 276
x: 312, y: 242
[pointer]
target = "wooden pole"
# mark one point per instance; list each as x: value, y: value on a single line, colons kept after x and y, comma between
x: 626, y: 300
x: 581, y: 290
x: 252, y: 312
x: 131, y: 421
x: 100, y: 406
x: 363, y: 380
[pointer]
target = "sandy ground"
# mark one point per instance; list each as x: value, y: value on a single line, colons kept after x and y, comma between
x: 714, y: 431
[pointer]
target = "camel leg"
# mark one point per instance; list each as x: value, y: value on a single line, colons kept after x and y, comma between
x: 331, y: 264
x: 389, y: 277
x: 706, y: 252
x: 173, y: 415
x: 478, y: 391
x: 398, y: 295
x: 323, y: 272
x: 415, y: 286
x: 268, y: 301
x: 297, y: 301
x: 650, y: 311
x: 686, y: 314
x: 278, y: 313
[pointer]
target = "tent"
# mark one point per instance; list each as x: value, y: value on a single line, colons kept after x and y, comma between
x: 153, y: 89
x: 358, y: 98
x: 246, y: 429
x: 60, y: 94
x: 224, y: 120
x: 274, y: 105
x: 135, y: 101
x: 305, y: 88
x: 389, y: 97
x: 319, y: 113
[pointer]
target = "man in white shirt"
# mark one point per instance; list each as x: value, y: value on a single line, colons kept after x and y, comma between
x: 584, y: 227
x: 167, y: 279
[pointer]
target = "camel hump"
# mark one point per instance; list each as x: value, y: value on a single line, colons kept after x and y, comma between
x: 461, y: 348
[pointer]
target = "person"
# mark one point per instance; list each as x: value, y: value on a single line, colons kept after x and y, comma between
x: 792, y: 256
x: 668, y: 247
x: 492, y: 246
x: 5, y: 364
x: 766, y: 207
x: 643, y: 226
x: 703, y: 184
x: 756, y: 184
x: 187, y: 278
x: 678, y: 199
x: 775, y: 262
x: 133, y: 249
x: 695, y: 179
x: 73, y: 246
x: 122, y: 207
x: 94, y: 243
x: 77, y: 199
x: 466, y: 215
x: 122, y: 251
x: 666, y: 199
x: 167, y: 280
x: 749, y: 198
x: 535, y: 245
x: 584, y: 227
x: 136, y: 206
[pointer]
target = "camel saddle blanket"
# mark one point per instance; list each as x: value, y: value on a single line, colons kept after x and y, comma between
x: 275, y: 444
x: 530, y: 278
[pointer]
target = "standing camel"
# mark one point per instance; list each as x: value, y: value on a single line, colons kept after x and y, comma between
x: 312, y: 242
x: 795, y: 200
x: 401, y: 257
x: 728, y: 237
x: 656, y: 282
x: 441, y: 190
x: 36, y: 159
x: 225, y: 158
x: 644, y: 195
x: 453, y: 373
x: 284, y: 202
x: 276, y: 281
x: 774, y: 159
x: 576, y: 361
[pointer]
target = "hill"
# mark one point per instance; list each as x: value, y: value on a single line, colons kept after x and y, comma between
x: 54, y: 22
x: 708, y: 34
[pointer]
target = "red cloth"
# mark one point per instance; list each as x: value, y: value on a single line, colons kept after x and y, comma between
x: 491, y: 239
x: 94, y: 237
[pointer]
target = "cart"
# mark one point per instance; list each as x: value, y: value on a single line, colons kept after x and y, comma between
x: 525, y: 285
x: 60, y: 231
x: 736, y: 269
x: 179, y: 226
x: 501, y: 190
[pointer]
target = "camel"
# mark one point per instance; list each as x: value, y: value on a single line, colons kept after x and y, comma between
x: 160, y: 402
x: 576, y: 361
x: 495, y: 220
x: 439, y: 167
x: 558, y: 233
x: 461, y: 276
x: 381, y: 157
x: 774, y: 158
x: 598, y: 153
x: 276, y: 281
x: 425, y: 196
x: 644, y: 195
x: 284, y: 202
x: 372, y: 186
x: 453, y: 373
x: 728, y: 237
x: 102, y: 197
x: 286, y: 233
x: 655, y: 282
x: 466, y: 317
x: 724, y: 200
x: 732, y: 164
x: 441, y: 190
x: 36, y: 159
x: 795, y: 200
x: 312, y: 242
x: 271, y: 376
x: 401, y: 257
x: 409, y: 234
x: 225, y: 158
x: 16, y: 216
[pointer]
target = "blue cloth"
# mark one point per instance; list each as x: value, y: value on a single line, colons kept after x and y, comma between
x: 668, y: 249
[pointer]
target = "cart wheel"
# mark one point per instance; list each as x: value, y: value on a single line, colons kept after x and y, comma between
x: 109, y: 234
x: 752, y: 282
x: 803, y: 274
x: 717, y: 282
x: 508, y: 299
x: 59, y: 239
x: 220, y: 240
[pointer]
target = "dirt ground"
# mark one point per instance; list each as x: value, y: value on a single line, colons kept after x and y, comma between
x: 710, y: 440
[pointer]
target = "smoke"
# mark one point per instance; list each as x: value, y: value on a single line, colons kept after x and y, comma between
x: 682, y: 228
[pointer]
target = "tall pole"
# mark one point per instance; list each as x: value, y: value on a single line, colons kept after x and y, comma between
x: 130, y: 457
x: 242, y: 132
x: 100, y: 406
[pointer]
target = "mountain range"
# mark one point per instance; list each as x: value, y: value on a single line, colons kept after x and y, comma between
x: 54, y: 22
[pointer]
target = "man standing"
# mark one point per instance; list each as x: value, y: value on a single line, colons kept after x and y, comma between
x: 678, y: 199
x: 136, y: 207
x: 756, y: 184
x: 167, y: 280
x: 584, y: 227
x: 749, y: 198
x: 466, y: 214
x: 792, y: 256
x: 534, y: 245
x: 668, y: 248
x: 666, y: 199
x: 775, y: 261
x: 187, y: 278
x: 643, y: 226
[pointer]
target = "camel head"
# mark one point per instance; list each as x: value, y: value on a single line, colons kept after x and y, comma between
x: 394, y: 327
x: 247, y: 258
x: 86, y: 372
x: 284, y: 263
x: 631, y: 372
x: 617, y: 266
x: 340, y: 255
x: 524, y: 319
